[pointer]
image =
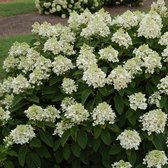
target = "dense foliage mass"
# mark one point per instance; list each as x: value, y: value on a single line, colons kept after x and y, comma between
x: 92, y: 94
x: 65, y: 7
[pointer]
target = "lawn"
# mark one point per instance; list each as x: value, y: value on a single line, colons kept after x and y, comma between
x: 17, y: 7
x: 5, y: 44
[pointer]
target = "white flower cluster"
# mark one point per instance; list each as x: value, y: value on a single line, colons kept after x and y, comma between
x: 121, y: 164
x: 154, y: 121
x: 103, y: 113
x: 69, y: 86
x: 98, y: 25
x: 94, y: 76
x: 7, y: 101
x: 77, y: 113
x: 119, y: 77
x: 133, y: 66
x: 58, y: 46
x: 76, y: 21
x: 138, y: 101
x: 61, y: 65
x: 4, y: 116
x: 129, y: 139
x: 37, y: 113
x: 122, y: 38
x: 150, y: 26
x: 165, y: 54
x: 160, y: 7
x: 62, y: 126
x: 74, y: 114
x: 155, y: 158
x: 154, y: 99
x: 164, y: 39
x: 66, y: 102
x: 22, y: 134
x: 109, y: 54
x: 86, y: 57
x: 151, y: 59
x: 163, y: 85
x: 127, y: 20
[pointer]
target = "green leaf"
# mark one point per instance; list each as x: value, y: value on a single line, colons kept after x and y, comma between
x: 107, y: 90
x: 43, y: 152
x: 85, y: 94
x: 76, y: 150
x: 64, y: 138
x: 96, y: 144
x: 74, y: 132
x: 130, y: 113
x: 56, y: 145
x: 17, y: 99
x: 105, y: 136
x: 22, y: 155
x: 119, y: 104
x: 131, y: 155
x: 34, y: 99
x: 54, y: 80
x: 47, y: 138
x: 33, y: 160
x: 97, y: 131
x: 158, y: 142
x: 66, y: 152
x: 8, y: 164
x: 49, y: 90
x: 36, y: 143
x: 115, y: 149
x: 12, y: 153
x: 133, y: 119
x: 82, y: 139
x: 163, y: 101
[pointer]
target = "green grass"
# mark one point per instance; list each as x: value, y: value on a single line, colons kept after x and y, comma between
x: 5, y: 44
x: 17, y: 7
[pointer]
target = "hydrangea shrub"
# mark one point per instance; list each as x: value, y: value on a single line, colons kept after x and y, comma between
x: 90, y: 94
x: 65, y: 7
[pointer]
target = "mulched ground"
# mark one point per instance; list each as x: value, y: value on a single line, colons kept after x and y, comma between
x: 22, y: 24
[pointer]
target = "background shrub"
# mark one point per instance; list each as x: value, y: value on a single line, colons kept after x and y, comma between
x: 88, y: 95
x: 64, y: 7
